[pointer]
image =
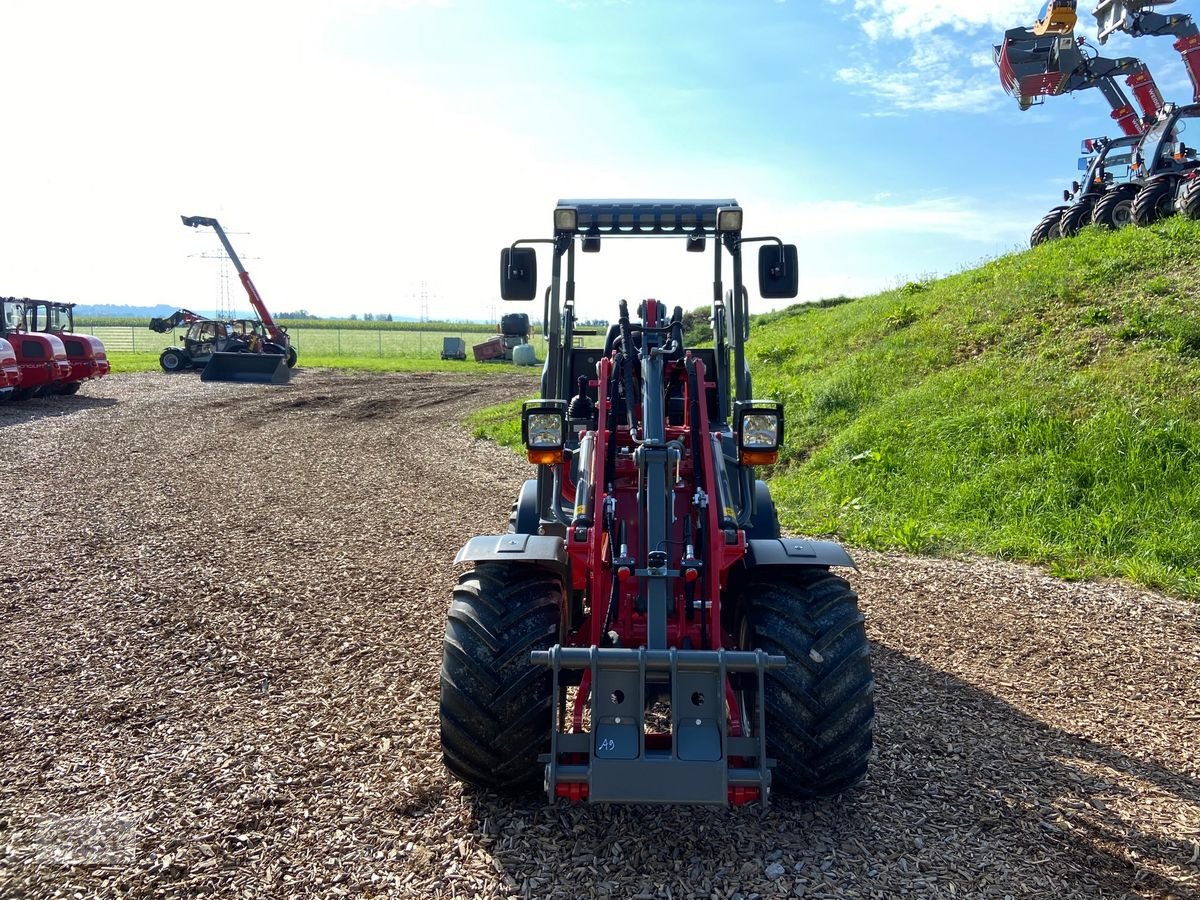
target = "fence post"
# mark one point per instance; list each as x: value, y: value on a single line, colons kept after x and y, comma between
x: 339, y: 334
x: 132, y: 339
x: 381, y: 342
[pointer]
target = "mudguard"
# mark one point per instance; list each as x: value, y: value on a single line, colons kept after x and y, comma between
x: 540, y: 550
x: 795, y: 552
x: 526, y: 519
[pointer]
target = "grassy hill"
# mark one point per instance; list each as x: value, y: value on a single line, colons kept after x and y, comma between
x: 1045, y: 407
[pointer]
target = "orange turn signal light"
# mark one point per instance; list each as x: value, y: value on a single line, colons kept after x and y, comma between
x: 545, y: 457
x: 759, y: 457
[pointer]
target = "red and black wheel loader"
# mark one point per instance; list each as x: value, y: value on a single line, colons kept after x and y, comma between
x: 86, y: 353
x: 642, y: 633
x: 10, y: 372
x: 41, y: 358
x: 1108, y: 166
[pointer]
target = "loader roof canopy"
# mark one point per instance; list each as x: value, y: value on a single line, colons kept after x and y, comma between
x: 678, y: 217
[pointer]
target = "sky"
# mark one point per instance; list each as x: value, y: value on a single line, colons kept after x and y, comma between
x: 373, y: 156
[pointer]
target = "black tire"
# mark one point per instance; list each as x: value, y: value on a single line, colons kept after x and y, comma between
x: 820, y: 710
x: 291, y: 357
x: 1115, y: 208
x: 496, y: 707
x: 1153, y: 202
x: 22, y: 393
x: 1047, y: 229
x: 1189, y: 200
x: 173, y: 360
x: 1074, y: 217
x: 72, y: 388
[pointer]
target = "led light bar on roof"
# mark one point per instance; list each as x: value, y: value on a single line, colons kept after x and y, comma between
x: 644, y: 216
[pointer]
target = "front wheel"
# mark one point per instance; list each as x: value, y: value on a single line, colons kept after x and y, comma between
x: 1114, y: 209
x: 496, y: 707
x: 173, y: 360
x: 1075, y: 217
x: 72, y: 388
x: 1047, y: 229
x: 820, y: 709
x: 1153, y: 202
x: 291, y: 357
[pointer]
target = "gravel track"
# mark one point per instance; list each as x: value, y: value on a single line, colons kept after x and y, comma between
x: 221, y: 611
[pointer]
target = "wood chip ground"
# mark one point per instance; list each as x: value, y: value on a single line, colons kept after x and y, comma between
x: 221, y: 610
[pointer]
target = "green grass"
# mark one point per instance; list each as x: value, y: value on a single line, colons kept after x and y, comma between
x: 1043, y: 407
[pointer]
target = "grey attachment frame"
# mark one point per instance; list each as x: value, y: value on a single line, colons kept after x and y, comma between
x: 620, y: 768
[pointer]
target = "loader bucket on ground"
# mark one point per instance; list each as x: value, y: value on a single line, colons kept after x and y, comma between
x: 261, y: 368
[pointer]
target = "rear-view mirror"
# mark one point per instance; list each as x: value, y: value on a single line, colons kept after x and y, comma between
x: 518, y: 273
x: 778, y: 272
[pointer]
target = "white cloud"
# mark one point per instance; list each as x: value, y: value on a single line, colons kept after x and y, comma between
x: 914, y: 18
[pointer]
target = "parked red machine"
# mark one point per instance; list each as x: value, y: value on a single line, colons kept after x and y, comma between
x: 41, y: 358
x: 86, y: 353
x: 10, y: 373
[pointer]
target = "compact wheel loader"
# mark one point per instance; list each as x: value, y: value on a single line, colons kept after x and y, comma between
x: 642, y: 633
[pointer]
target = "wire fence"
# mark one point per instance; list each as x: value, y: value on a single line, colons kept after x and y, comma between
x: 360, y: 342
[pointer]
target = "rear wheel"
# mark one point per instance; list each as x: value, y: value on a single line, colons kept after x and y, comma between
x: 1047, y: 229
x: 1114, y: 209
x: 291, y: 357
x: 72, y: 388
x: 820, y: 709
x: 1075, y: 217
x: 496, y: 707
x: 1189, y: 200
x: 173, y: 360
x: 1153, y: 202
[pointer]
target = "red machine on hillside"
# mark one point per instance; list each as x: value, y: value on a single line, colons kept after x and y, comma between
x: 1047, y: 60
x: 643, y: 634
x: 41, y: 358
x: 1137, y: 18
x: 239, y: 366
x: 86, y: 353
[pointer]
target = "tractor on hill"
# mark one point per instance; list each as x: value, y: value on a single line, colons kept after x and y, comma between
x: 1108, y: 167
x: 642, y: 633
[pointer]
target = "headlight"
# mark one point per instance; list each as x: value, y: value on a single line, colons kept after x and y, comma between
x: 566, y: 218
x: 759, y: 431
x: 729, y: 218
x: 543, y: 427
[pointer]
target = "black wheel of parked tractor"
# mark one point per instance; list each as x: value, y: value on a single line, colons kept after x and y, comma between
x: 22, y: 393
x: 820, y: 710
x: 1189, y: 200
x: 1074, y: 217
x: 1047, y: 229
x: 1153, y: 202
x: 72, y: 388
x: 496, y: 707
x: 291, y: 357
x: 1115, y: 208
x: 173, y: 360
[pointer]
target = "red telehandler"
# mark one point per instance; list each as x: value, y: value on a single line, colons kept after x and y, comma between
x: 262, y: 366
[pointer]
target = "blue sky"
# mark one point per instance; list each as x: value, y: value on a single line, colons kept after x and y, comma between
x: 370, y: 150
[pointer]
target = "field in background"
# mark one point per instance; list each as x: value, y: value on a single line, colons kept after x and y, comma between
x: 340, y: 339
